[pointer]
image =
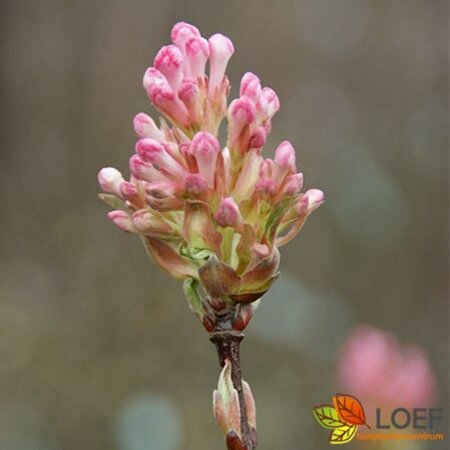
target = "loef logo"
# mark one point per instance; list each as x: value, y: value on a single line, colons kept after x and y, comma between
x: 342, y: 418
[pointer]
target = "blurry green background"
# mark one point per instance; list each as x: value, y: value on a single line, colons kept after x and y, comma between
x: 98, y: 349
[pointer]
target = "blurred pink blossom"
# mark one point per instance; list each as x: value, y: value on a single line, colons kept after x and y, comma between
x: 377, y: 369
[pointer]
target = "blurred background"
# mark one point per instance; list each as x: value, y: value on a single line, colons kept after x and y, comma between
x: 98, y: 349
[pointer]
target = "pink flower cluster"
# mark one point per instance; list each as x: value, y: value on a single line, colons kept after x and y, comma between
x: 379, y: 371
x: 206, y: 212
x: 177, y: 83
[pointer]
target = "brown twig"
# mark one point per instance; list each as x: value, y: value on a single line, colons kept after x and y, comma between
x: 228, y: 343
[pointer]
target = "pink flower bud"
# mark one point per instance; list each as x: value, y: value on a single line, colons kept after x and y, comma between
x: 143, y: 170
x: 241, y: 113
x: 163, y: 189
x: 148, y: 223
x: 169, y: 61
x: 145, y: 127
x: 266, y: 168
x: 189, y: 95
x: 285, y: 156
x: 130, y: 192
x: 182, y: 32
x: 242, y: 110
x: 164, y: 98
x: 258, y: 138
x: 228, y: 214
x: 127, y: 189
x: 250, y: 86
x: 197, y: 53
x: 153, y: 152
x: 266, y: 186
x: 268, y: 103
x: 195, y: 184
x: 153, y: 78
x: 300, y: 208
x: 293, y: 184
x: 188, y: 90
x: 122, y: 220
x: 220, y: 49
x: 110, y: 180
x: 205, y: 147
x: 315, y: 198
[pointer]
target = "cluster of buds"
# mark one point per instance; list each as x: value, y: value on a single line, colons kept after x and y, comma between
x: 227, y: 409
x: 211, y: 216
x: 177, y: 83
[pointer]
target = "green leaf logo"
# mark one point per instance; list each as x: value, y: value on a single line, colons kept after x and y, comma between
x: 327, y: 416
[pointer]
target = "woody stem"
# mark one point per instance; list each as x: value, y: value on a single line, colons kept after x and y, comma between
x: 228, y: 347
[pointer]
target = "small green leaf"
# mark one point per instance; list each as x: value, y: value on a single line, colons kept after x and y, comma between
x: 327, y: 416
x: 190, y: 287
x: 195, y: 254
x: 275, y: 218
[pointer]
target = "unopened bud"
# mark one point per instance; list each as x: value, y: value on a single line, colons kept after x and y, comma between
x: 189, y: 95
x: 266, y: 168
x: 266, y: 186
x: 195, y: 184
x: 268, y: 103
x: 250, y: 405
x: 226, y: 402
x: 122, y: 220
x: 258, y: 138
x: 163, y: 189
x: 165, y: 204
x: 153, y: 152
x: 182, y: 32
x: 169, y: 61
x: 148, y: 223
x: 205, y: 148
x: 250, y: 86
x: 110, y: 180
x: 241, y: 113
x: 285, y: 156
x: 144, y: 170
x: 234, y: 442
x: 244, y: 315
x: 220, y: 50
x: 163, y: 96
x: 293, y: 184
x: 314, y: 198
x: 145, y: 127
x: 228, y: 214
x: 129, y: 191
x: 197, y: 52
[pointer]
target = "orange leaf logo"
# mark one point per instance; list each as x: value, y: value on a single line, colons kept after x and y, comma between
x: 349, y: 409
